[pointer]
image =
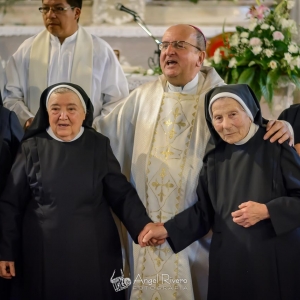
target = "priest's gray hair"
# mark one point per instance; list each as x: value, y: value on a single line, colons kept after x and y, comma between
x: 232, y: 96
x: 200, y: 40
x: 62, y: 89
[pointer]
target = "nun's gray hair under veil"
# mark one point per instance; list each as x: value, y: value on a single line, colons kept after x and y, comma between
x: 232, y: 96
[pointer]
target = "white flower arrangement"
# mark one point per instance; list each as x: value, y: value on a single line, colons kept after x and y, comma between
x: 262, y: 52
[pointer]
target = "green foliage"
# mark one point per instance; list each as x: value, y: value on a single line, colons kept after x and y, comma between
x: 157, y: 71
x: 196, y: 1
x: 261, y: 54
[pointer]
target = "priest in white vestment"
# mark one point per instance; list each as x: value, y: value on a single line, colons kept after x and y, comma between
x: 159, y: 136
x: 2, y: 80
x: 160, y: 140
x: 63, y: 52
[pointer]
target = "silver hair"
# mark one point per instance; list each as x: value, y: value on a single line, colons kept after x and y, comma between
x: 63, y: 90
x: 222, y: 98
x: 200, y: 40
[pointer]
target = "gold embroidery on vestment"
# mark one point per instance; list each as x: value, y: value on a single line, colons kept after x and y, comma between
x: 165, y: 174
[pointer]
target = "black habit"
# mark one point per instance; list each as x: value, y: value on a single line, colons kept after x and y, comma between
x: 292, y: 115
x: 11, y: 134
x: 57, y: 206
x: 260, y: 262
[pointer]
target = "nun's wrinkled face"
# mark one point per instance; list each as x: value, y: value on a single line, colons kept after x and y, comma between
x: 230, y: 120
x: 66, y: 115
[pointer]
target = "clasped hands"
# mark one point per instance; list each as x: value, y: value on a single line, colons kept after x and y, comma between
x: 153, y: 234
x: 249, y: 213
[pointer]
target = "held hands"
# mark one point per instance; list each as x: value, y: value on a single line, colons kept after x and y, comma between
x: 153, y: 234
x: 250, y: 213
x: 281, y: 132
x: 7, y: 269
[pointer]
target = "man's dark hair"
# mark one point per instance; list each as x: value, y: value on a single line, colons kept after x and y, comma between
x: 75, y: 3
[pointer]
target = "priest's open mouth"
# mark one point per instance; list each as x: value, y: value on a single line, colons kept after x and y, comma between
x: 171, y: 62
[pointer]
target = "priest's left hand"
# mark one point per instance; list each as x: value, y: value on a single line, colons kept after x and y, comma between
x: 250, y: 213
x: 280, y: 131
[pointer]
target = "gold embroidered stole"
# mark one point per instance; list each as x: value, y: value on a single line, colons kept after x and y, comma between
x: 165, y: 184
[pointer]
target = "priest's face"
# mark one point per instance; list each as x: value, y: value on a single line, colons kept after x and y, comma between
x: 230, y: 120
x: 66, y: 115
x: 181, y: 64
x: 60, y: 23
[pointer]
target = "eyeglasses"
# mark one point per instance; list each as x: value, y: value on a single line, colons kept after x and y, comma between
x: 56, y: 10
x: 179, y: 45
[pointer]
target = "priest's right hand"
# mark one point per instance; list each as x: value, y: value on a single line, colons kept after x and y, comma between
x: 7, y: 269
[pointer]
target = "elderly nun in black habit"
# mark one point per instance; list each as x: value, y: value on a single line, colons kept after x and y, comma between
x: 56, y: 205
x: 249, y: 194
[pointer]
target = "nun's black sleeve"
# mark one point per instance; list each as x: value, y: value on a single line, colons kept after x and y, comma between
x: 13, y: 202
x: 11, y: 134
x: 292, y: 115
x: 123, y: 198
x: 194, y: 222
x: 285, y: 210
x: 5, y: 163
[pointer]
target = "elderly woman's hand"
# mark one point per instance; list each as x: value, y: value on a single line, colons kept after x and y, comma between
x: 279, y: 130
x: 250, y: 213
x: 7, y: 269
x: 153, y: 234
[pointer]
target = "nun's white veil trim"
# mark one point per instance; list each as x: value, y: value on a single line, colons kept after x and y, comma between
x: 229, y: 95
x: 70, y: 88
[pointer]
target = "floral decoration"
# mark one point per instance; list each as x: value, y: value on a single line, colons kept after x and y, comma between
x: 263, y: 55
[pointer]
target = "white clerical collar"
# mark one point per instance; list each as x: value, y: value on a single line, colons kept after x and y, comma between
x: 187, y: 89
x: 67, y: 40
x: 51, y: 133
x: 252, y: 131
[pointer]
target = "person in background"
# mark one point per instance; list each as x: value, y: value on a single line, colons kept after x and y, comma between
x: 292, y: 115
x: 56, y: 205
x: 63, y: 51
x: 11, y: 134
x: 159, y: 135
x: 249, y: 193
x: 2, y: 81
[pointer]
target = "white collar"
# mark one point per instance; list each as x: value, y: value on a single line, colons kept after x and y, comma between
x: 252, y: 130
x: 51, y: 133
x: 67, y: 40
x: 184, y: 89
